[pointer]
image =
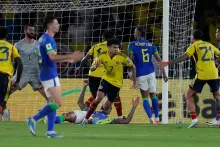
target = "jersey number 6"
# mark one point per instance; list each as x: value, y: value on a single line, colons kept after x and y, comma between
x: 145, y: 55
x: 207, y: 50
x: 5, y: 52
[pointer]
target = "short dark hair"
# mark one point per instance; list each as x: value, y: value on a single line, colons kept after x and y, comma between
x: 112, y: 41
x: 142, y: 30
x: 4, y: 33
x: 48, y: 20
x: 198, y: 34
x: 108, y: 35
x: 28, y: 25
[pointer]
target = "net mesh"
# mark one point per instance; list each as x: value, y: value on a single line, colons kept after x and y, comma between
x: 82, y: 24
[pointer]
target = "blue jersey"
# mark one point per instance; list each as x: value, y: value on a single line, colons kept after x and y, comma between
x: 143, y: 50
x: 100, y: 114
x: 219, y: 46
x: 48, y: 68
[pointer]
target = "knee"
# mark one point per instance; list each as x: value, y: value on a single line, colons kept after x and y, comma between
x: 59, y: 104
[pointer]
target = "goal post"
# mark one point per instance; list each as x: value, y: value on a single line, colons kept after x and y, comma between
x: 168, y: 25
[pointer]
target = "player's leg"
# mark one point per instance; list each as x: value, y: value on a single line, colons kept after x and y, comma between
x: 99, y: 96
x: 142, y: 81
x: 152, y: 90
x: 53, y: 91
x: 36, y: 85
x: 118, y: 106
x: 4, y: 89
x: 214, y: 87
x: 23, y: 82
x: 93, y: 86
x: 195, y: 87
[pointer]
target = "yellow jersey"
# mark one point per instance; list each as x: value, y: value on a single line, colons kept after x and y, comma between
x: 7, y: 55
x: 95, y: 51
x: 114, y: 67
x: 203, y: 54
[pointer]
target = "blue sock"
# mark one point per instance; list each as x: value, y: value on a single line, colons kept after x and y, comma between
x: 45, y: 111
x: 217, y: 116
x: 147, y: 108
x: 155, y: 106
x: 51, y: 120
x: 59, y: 119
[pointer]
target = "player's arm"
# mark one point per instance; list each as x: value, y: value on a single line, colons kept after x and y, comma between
x: 16, y: 58
x: 157, y: 57
x: 131, y: 68
x: 96, y: 63
x: 130, y: 115
x: 80, y: 101
x: 189, y: 52
x: 130, y: 51
x: 74, y: 57
x: 85, y: 59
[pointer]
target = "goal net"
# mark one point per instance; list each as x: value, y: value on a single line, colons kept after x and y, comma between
x: 82, y: 24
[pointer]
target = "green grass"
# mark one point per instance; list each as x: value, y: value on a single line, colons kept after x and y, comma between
x: 134, y: 135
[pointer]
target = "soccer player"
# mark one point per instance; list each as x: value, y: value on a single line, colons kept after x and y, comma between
x: 8, y: 55
x: 112, y: 80
x: 217, y: 35
x: 203, y: 53
x: 49, y: 78
x: 142, y: 51
x: 77, y: 116
x: 28, y: 50
x: 96, y: 119
x: 96, y: 76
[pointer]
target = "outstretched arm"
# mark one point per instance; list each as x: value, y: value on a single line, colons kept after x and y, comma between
x: 180, y: 59
x: 130, y: 115
x: 81, y: 96
x: 177, y: 60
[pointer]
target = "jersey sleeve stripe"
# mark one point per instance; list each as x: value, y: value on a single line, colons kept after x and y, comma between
x: 49, y: 51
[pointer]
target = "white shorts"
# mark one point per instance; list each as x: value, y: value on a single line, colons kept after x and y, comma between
x: 148, y: 82
x: 80, y: 115
x: 50, y: 83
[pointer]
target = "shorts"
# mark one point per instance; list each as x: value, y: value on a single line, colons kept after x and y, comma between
x: 49, y: 84
x: 109, y: 90
x: 94, y: 83
x: 197, y: 85
x: 148, y: 82
x: 31, y: 79
x: 5, y: 87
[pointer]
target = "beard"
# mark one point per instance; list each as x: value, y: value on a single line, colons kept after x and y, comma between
x: 31, y: 35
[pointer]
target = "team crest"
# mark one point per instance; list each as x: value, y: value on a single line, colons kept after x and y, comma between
x: 117, y: 63
x: 129, y: 60
x: 36, y: 51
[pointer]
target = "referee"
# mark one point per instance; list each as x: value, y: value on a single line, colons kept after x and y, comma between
x: 8, y: 55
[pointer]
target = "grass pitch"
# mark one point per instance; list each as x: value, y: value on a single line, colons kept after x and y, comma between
x: 14, y: 134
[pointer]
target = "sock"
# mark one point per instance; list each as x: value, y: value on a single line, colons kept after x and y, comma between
x: 118, y: 106
x: 218, y: 114
x: 92, y: 108
x: 89, y: 101
x: 147, y: 108
x: 155, y: 106
x: 59, y: 119
x: 193, y: 115
x: 45, y: 111
x: 51, y: 120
